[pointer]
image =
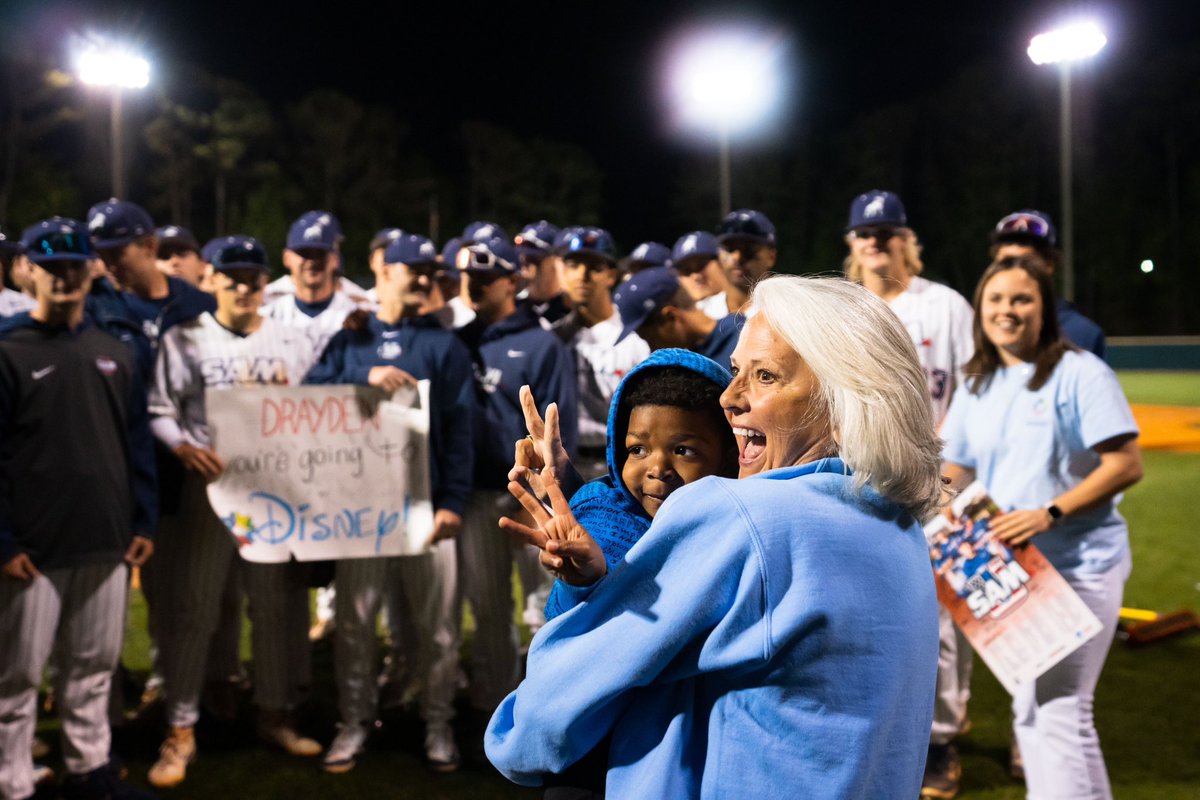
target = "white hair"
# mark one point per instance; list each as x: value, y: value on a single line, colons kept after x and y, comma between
x: 873, y: 387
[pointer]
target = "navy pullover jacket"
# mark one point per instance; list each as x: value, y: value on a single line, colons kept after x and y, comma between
x: 76, y: 454
x: 506, y: 355
x: 720, y: 343
x: 425, y: 350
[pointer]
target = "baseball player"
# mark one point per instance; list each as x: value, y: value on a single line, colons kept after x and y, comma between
x: 1030, y: 232
x: 313, y: 256
x: 72, y: 414
x: 885, y: 257
x: 655, y: 305
x: 179, y: 255
x: 510, y: 349
x: 696, y: 257
x: 12, y: 301
x: 589, y: 269
x: 286, y: 284
x: 235, y: 346
x: 647, y: 255
x: 541, y: 290
x: 399, y: 344
x: 747, y: 240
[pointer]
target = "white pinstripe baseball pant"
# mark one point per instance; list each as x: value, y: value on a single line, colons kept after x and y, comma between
x: 955, y: 662
x: 485, y: 563
x: 428, y: 582
x: 79, y: 614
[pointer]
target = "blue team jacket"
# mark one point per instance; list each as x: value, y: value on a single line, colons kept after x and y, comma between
x: 508, y: 354
x: 425, y: 350
x: 768, y: 637
x: 605, y: 506
x: 720, y: 343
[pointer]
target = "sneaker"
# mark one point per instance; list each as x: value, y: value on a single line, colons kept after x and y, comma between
x: 1016, y: 764
x: 101, y: 783
x: 441, y: 753
x: 275, y: 727
x: 342, y: 752
x: 176, y: 753
x: 943, y: 772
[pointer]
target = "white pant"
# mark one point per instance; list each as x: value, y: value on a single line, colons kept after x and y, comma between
x: 1054, y: 724
x: 955, y: 659
x: 485, y: 559
x: 79, y: 614
x: 428, y: 582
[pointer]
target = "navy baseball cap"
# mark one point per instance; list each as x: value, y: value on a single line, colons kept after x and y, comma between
x: 409, y: 248
x: 746, y: 223
x: 383, y: 237
x: 177, y: 236
x: 1025, y: 225
x: 482, y: 231
x: 536, y: 238
x: 317, y: 230
x: 237, y: 252
x: 697, y: 243
x: 638, y: 298
x: 590, y: 241
x: 496, y: 255
x: 116, y: 223
x: 210, y: 247
x: 56, y: 239
x: 877, y: 207
x: 647, y: 255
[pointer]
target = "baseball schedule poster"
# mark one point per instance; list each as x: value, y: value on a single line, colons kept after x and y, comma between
x: 1012, y: 605
x: 322, y: 472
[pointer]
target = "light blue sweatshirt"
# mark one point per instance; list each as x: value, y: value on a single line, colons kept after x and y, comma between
x: 774, y: 636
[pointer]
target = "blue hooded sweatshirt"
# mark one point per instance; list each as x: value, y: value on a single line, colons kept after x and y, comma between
x: 424, y: 349
x: 508, y: 355
x: 605, y: 506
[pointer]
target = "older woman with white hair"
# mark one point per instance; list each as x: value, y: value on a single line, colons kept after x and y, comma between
x: 771, y: 635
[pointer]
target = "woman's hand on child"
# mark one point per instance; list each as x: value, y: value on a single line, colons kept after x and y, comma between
x: 568, y: 551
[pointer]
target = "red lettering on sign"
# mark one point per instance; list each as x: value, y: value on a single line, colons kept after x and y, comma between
x: 331, y: 415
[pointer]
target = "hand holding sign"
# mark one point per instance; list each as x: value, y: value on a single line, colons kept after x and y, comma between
x: 568, y: 550
x: 390, y: 378
x: 201, y: 460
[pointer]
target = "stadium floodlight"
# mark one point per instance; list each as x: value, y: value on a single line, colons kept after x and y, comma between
x: 1061, y: 46
x: 116, y: 67
x: 725, y: 80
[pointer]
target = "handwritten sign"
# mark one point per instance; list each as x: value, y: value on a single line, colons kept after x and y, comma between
x: 322, y: 472
x: 1018, y: 613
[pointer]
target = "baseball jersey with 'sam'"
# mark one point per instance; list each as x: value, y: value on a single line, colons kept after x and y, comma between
x: 204, y: 354
x: 939, y: 321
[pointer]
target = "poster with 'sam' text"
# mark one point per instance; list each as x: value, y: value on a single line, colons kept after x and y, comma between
x: 322, y: 472
x: 1013, y: 606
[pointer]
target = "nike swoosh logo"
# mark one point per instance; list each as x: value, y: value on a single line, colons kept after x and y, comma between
x: 38, y: 374
x: 516, y: 353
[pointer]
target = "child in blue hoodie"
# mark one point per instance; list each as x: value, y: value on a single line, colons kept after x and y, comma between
x: 665, y: 429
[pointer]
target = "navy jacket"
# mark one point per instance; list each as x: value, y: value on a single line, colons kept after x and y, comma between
x: 77, y: 476
x: 425, y: 350
x: 1080, y: 330
x: 720, y: 343
x: 506, y: 355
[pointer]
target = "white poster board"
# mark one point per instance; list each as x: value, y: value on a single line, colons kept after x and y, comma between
x: 322, y: 472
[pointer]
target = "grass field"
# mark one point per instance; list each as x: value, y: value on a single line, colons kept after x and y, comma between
x: 1146, y: 703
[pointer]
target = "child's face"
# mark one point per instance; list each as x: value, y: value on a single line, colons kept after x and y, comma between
x: 666, y: 447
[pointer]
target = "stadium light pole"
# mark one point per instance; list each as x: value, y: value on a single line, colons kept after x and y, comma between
x: 724, y: 81
x: 117, y: 68
x: 1062, y: 46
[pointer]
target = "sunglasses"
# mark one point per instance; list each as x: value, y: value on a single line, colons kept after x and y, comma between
x: 59, y: 244
x: 482, y: 258
x: 882, y: 234
x: 1024, y: 224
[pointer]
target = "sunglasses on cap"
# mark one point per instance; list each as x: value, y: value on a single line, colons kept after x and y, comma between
x: 882, y: 234
x: 530, y: 241
x: 589, y: 240
x: 1023, y: 224
x: 481, y: 258
x: 59, y: 245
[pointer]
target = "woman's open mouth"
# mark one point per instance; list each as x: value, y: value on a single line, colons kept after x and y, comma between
x: 751, y: 444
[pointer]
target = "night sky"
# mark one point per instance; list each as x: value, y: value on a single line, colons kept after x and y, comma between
x: 587, y: 73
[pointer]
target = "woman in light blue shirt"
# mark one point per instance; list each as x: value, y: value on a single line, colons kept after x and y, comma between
x: 1046, y: 428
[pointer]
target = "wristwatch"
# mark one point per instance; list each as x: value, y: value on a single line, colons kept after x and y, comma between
x: 1054, y: 511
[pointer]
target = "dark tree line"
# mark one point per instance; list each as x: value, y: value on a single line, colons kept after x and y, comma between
x: 212, y: 154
